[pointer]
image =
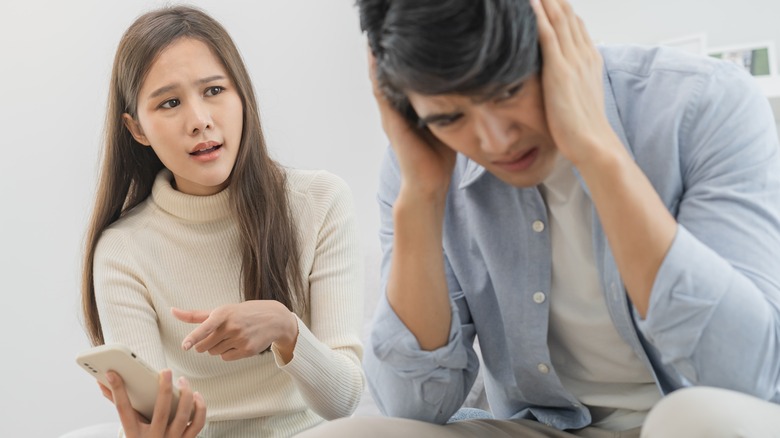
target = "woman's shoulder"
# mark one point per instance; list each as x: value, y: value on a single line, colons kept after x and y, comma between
x: 136, y: 217
x: 317, y: 197
x: 128, y: 225
x: 315, y: 185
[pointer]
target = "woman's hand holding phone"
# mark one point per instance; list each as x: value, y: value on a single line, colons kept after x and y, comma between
x: 148, y: 403
x: 189, y: 419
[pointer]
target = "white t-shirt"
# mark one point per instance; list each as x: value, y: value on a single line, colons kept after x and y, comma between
x: 593, y: 362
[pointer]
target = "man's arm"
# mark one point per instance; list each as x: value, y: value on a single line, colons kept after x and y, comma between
x: 637, y: 224
x: 407, y: 380
x: 714, y: 311
x: 416, y: 289
x: 706, y: 283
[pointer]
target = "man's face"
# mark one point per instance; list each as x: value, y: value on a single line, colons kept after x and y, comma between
x: 506, y: 134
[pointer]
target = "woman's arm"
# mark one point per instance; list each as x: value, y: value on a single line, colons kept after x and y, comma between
x: 325, y: 364
x: 127, y: 317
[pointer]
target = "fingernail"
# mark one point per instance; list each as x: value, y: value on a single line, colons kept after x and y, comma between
x: 111, y: 378
x: 198, y: 396
x: 186, y: 345
x: 183, y: 383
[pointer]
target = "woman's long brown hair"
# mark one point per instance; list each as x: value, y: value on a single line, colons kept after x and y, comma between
x: 270, y: 256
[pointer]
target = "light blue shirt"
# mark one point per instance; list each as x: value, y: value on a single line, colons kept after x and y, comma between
x: 704, y: 135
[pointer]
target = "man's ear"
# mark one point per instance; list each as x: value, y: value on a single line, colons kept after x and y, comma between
x: 135, y: 129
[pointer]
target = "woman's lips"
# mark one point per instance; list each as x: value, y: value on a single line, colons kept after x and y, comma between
x: 209, y: 151
x: 206, y: 151
x: 204, y: 145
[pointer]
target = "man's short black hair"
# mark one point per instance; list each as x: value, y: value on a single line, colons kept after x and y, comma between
x: 470, y: 47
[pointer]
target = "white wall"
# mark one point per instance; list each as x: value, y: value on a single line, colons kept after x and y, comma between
x: 307, y: 60
x: 726, y: 22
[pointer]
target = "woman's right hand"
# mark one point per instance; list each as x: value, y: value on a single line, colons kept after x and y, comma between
x: 426, y: 163
x: 190, y: 413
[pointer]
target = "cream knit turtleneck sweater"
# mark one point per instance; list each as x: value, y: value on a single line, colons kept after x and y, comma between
x: 178, y: 250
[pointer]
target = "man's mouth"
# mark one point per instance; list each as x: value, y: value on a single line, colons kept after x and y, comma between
x: 519, y: 162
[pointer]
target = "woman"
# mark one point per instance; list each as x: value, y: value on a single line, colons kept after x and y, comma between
x: 206, y: 257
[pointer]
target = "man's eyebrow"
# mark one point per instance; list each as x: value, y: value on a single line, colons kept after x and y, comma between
x: 437, y: 117
x: 519, y: 84
x: 166, y: 88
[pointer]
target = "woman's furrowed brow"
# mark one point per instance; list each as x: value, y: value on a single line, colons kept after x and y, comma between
x: 167, y: 88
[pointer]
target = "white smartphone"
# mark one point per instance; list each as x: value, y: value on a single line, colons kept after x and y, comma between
x: 141, y: 380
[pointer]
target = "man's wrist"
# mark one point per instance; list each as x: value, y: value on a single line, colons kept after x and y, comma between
x: 603, y: 158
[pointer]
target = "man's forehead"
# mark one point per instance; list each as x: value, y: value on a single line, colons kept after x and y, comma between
x: 426, y: 104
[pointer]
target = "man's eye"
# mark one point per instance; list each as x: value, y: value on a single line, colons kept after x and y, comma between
x: 509, y: 92
x: 213, y: 91
x: 172, y: 103
x: 444, y: 122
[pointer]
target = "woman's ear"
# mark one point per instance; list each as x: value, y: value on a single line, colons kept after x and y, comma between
x: 135, y: 129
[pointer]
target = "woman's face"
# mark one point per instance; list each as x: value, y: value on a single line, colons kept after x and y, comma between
x: 190, y: 113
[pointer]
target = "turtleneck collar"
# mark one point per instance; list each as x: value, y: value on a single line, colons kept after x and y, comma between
x: 189, y: 207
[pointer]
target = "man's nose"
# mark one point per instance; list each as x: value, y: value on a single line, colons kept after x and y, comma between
x: 496, y: 133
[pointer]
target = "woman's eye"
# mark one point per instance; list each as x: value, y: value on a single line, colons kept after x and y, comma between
x: 213, y: 91
x: 172, y: 103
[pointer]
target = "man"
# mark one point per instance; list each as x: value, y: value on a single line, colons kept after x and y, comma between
x: 610, y: 226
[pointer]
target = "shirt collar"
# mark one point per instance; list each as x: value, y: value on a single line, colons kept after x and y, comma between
x: 474, y: 171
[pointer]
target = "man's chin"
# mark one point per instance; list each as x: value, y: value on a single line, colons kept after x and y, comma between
x: 521, y: 181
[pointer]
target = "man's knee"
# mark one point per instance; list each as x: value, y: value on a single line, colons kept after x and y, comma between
x: 703, y: 412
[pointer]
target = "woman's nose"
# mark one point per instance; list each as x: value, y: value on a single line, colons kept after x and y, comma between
x: 199, y: 118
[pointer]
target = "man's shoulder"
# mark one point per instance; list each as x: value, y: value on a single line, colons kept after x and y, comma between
x: 655, y: 80
x: 660, y: 85
x: 646, y: 61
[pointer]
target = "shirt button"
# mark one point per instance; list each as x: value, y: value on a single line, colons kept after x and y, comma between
x: 539, y: 297
x: 544, y: 369
x: 538, y: 226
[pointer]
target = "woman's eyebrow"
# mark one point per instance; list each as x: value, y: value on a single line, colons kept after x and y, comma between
x: 162, y: 90
x: 166, y: 88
